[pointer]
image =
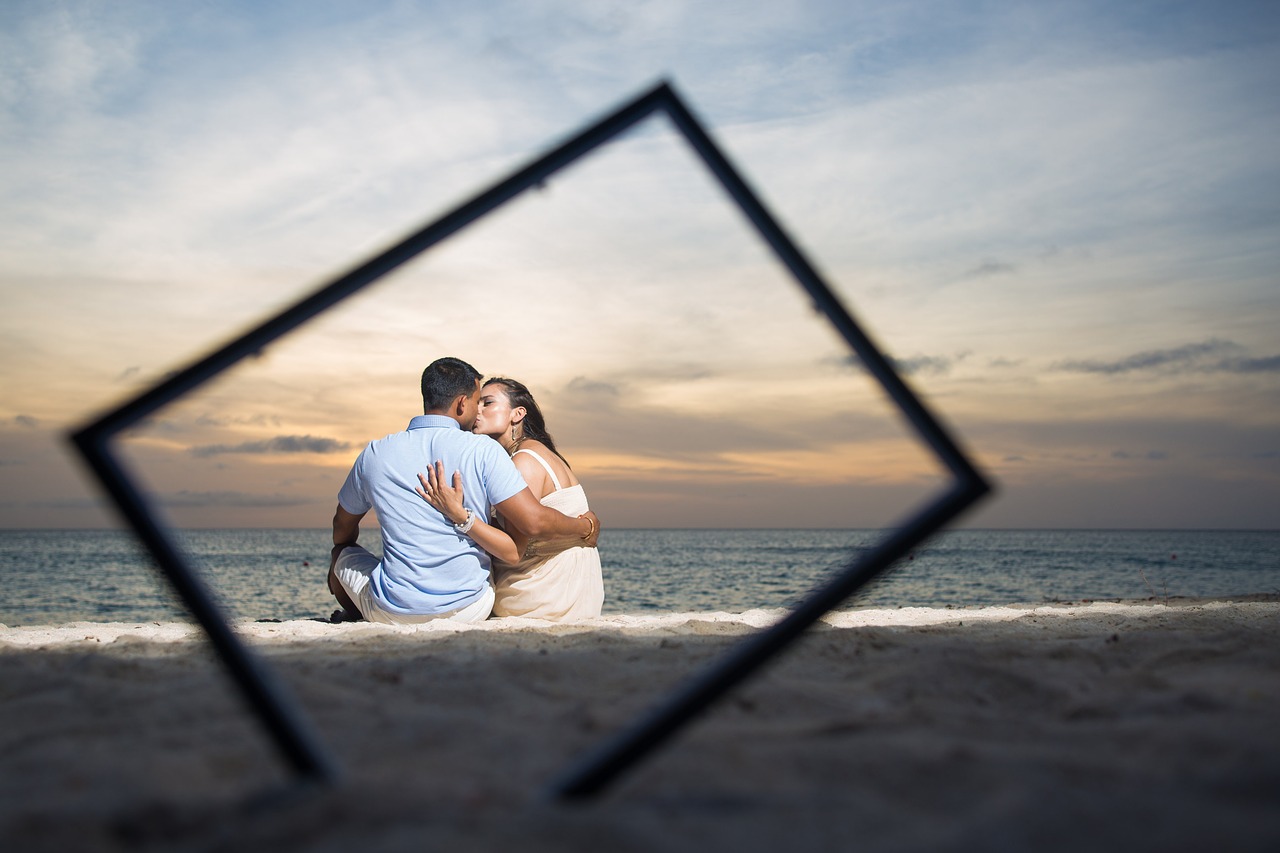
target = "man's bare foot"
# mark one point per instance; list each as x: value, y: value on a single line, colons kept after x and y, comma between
x: 344, y: 615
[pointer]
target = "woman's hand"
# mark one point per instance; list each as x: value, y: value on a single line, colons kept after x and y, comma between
x: 437, y: 492
x: 448, y: 499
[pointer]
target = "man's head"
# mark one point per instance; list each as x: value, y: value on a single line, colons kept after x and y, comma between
x: 451, y: 387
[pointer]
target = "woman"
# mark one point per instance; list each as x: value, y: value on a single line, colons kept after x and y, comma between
x: 543, y: 579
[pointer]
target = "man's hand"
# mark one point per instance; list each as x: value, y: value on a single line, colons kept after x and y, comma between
x: 334, y: 586
x: 333, y: 555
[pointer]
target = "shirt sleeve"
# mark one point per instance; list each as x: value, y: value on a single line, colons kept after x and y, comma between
x: 353, y: 496
x: 502, y: 478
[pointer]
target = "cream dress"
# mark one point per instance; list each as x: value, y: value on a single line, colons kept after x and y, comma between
x: 556, y: 578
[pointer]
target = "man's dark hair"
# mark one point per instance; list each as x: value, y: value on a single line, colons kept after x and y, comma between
x: 444, y: 380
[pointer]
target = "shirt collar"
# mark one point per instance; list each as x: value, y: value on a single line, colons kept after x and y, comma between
x: 434, y: 422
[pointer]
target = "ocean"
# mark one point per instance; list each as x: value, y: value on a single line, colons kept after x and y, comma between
x: 51, y: 577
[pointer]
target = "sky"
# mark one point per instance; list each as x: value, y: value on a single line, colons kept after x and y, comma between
x: 1060, y: 219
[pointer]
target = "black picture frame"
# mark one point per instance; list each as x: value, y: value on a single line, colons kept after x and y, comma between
x: 278, y: 712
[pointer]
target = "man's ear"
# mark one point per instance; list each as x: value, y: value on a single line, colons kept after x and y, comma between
x: 459, y: 404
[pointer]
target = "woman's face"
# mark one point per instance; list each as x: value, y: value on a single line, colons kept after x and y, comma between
x: 495, y: 414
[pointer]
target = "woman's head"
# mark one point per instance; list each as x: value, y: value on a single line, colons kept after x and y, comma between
x: 509, y: 413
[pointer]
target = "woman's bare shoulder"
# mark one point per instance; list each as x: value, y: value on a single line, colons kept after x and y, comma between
x: 528, y: 466
x: 534, y: 474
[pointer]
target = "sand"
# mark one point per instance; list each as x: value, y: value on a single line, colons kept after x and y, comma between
x: 1112, y: 726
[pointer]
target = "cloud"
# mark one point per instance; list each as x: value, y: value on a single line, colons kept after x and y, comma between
x: 989, y: 268
x: 935, y: 365
x: 258, y: 420
x: 1211, y: 356
x: 76, y: 504
x: 1187, y: 355
x: 1269, y: 364
x: 729, y: 423
x: 1150, y: 455
x: 582, y: 394
x: 278, y: 444
x: 188, y: 499
x: 589, y: 388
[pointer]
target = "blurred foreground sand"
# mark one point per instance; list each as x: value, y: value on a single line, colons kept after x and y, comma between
x: 1124, y: 726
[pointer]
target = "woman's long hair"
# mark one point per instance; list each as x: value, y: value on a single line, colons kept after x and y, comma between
x: 535, y: 425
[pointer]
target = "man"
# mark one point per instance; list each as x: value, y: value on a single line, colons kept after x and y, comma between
x: 430, y: 569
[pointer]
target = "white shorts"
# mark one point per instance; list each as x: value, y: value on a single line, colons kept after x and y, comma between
x: 353, y: 568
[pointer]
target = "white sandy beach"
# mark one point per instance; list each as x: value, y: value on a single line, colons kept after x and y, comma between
x: 1123, y: 726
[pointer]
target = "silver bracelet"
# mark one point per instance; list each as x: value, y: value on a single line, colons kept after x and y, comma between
x: 465, y: 527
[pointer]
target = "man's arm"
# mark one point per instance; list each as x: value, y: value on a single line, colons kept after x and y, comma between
x: 346, y: 527
x: 542, y: 522
x: 346, y: 530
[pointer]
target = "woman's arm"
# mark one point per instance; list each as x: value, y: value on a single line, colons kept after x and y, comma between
x: 448, y: 500
x: 533, y: 519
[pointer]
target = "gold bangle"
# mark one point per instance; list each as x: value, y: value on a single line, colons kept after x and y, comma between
x: 591, y: 526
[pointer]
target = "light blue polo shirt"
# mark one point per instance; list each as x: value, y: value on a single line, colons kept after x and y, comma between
x: 428, y: 567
